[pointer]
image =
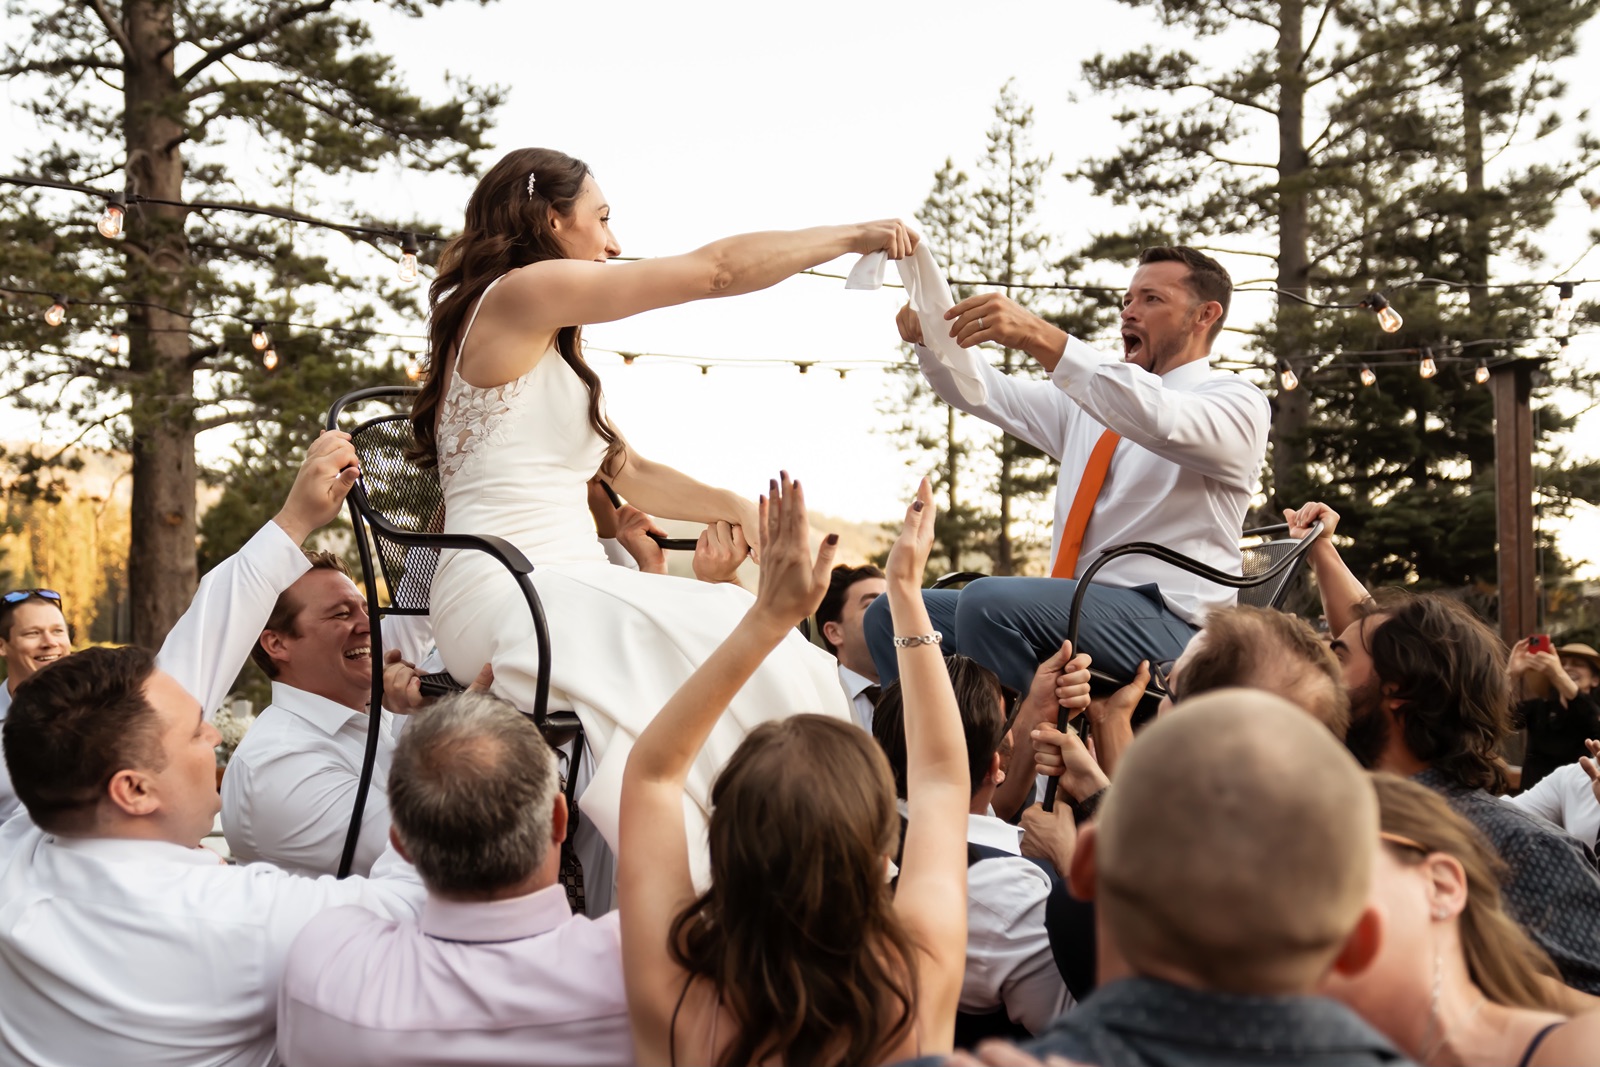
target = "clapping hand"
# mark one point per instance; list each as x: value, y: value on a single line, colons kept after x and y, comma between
x: 792, y: 583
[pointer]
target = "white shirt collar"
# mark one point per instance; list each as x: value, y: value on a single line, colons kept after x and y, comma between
x: 1187, y: 376
x: 511, y: 919
x: 994, y: 833
x: 134, y: 850
x: 326, y: 715
x: 854, y: 684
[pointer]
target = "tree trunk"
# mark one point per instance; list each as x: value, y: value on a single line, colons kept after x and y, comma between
x: 161, y: 553
x: 951, y: 538
x: 1291, y: 409
x: 1475, y: 261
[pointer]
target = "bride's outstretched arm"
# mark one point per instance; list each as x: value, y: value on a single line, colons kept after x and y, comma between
x: 545, y: 296
x: 667, y: 493
x: 653, y: 883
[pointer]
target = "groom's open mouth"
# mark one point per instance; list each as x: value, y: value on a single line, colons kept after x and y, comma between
x: 1132, y: 345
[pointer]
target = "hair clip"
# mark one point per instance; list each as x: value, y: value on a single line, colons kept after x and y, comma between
x: 532, y: 177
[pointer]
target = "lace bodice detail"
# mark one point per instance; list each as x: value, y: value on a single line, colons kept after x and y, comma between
x: 468, y: 417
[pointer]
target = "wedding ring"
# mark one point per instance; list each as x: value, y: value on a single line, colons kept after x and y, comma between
x: 980, y: 322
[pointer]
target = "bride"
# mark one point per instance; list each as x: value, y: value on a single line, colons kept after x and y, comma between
x: 513, y: 418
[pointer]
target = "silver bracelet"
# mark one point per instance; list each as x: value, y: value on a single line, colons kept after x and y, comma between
x: 923, y: 639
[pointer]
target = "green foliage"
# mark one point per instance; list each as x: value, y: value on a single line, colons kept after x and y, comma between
x: 1387, y: 120
x: 209, y: 100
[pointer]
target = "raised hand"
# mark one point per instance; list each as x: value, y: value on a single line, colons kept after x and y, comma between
x: 792, y: 582
x: 329, y: 470
x: 1301, y: 518
x: 908, y: 559
x: 992, y: 317
x: 1062, y: 681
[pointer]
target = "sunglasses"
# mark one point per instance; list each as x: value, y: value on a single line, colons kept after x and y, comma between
x: 17, y: 596
x: 1161, y: 676
x: 1405, y: 842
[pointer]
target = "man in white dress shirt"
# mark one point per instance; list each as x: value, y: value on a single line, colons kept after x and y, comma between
x: 1185, y: 446
x: 122, y: 941
x: 1011, y: 976
x: 33, y: 634
x: 291, y: 784
x: 497, y: 969
x: 851, y: 590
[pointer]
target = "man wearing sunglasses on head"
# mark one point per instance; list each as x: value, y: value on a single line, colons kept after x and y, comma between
x: 33, y: 633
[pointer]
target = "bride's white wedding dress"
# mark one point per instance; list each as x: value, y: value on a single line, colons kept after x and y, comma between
x: 514, y: 461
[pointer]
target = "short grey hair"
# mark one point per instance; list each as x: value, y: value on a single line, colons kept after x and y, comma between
x: 471, y: 794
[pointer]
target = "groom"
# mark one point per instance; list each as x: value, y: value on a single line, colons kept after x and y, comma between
x: 1154, y: 446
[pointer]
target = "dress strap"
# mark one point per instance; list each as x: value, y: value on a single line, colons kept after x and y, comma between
x: 461, y: 345
x: 1538, y: 1039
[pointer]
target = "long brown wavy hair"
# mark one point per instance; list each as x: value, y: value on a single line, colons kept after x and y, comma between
x: 506, y: 228
x: 1502, y: 959
x: 798, y: 932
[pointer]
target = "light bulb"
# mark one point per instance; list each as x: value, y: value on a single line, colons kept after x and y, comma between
x: 408, y: 258
x: 269, y: 359
x: 705, y: 368
x: 57, y: 312
x: 1389, y: 319
x: 1481, y: 375
x: 1367, y: 377
x: 1564, y: 310
x: 258, y: 336
x: 842, y: 373
x: 1428, y: 367
x: 118, y: 345
x: 1290, y: 382
x: 803, y: 367
x: 414, y: 369
x: 110, y: 224
x: 628, y: 358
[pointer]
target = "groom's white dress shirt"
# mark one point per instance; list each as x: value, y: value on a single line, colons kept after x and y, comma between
x: 1183, y: 475
x: 291, y: 785
x: 9, y: 805
x: 127, y: 952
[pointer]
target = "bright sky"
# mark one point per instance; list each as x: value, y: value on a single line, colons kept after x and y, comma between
x: 719, y: 117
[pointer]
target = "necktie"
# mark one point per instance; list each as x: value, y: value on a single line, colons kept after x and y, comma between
x: 571, y: 869
x: 1094, y: 476
x: 873, y: 692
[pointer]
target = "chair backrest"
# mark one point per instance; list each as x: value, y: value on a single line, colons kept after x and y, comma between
x: 1260, y: 558
x: 396, y: 490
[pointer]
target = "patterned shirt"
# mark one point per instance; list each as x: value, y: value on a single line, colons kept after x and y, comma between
x: 1139, y: 1021
x: 1552, y: 886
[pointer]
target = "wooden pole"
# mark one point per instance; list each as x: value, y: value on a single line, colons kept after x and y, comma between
x: 1512, y: 383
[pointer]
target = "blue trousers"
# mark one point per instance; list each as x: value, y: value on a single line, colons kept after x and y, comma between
x: 1011, y: 625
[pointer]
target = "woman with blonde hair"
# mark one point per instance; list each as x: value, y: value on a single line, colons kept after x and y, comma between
x: 1456, y: 981
x: 798, y: 953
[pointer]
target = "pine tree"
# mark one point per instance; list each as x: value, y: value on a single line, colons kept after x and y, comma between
x: 185, y: 102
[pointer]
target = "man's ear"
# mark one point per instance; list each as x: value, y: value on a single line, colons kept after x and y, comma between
x: 1081, y: 871
x: 399, y: 845
x: 558, y: 820
x: 273, y: 644
x: 133, y: 793
x: 1361, y: 947
x: 1207, y: 314
x: 995, y: 773
x: 833, y: 633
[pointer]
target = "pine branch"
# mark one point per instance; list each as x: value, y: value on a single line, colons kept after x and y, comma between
x: 58, y: 66
x: 229, y: 418
x: 111, y: 24
x: 255, y: 35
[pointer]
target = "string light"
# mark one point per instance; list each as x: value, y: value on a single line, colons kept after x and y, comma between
x: 842, y: 373
x: 258, y: 336
x: 1287, y: 377
x: 269, y: 359
x: 705, y: 368
x: 1389, y: 319
x: 628, y: 357
x: 56, y: 314
x: 118, y: 345
x: 110, y: 224
x: 408, y: 257
x: 1367, y: 375
x: 803, y: 367
x: 1481, y: 375
x: 1564, y: 310
x: 1428, y: 367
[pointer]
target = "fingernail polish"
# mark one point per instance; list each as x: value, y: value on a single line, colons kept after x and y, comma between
x: 916, y: 505
x: 833, y: 539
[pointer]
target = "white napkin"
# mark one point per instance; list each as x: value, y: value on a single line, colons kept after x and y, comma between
x: 930, y: 298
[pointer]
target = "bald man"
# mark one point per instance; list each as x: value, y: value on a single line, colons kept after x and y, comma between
x: 1230, y: 866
